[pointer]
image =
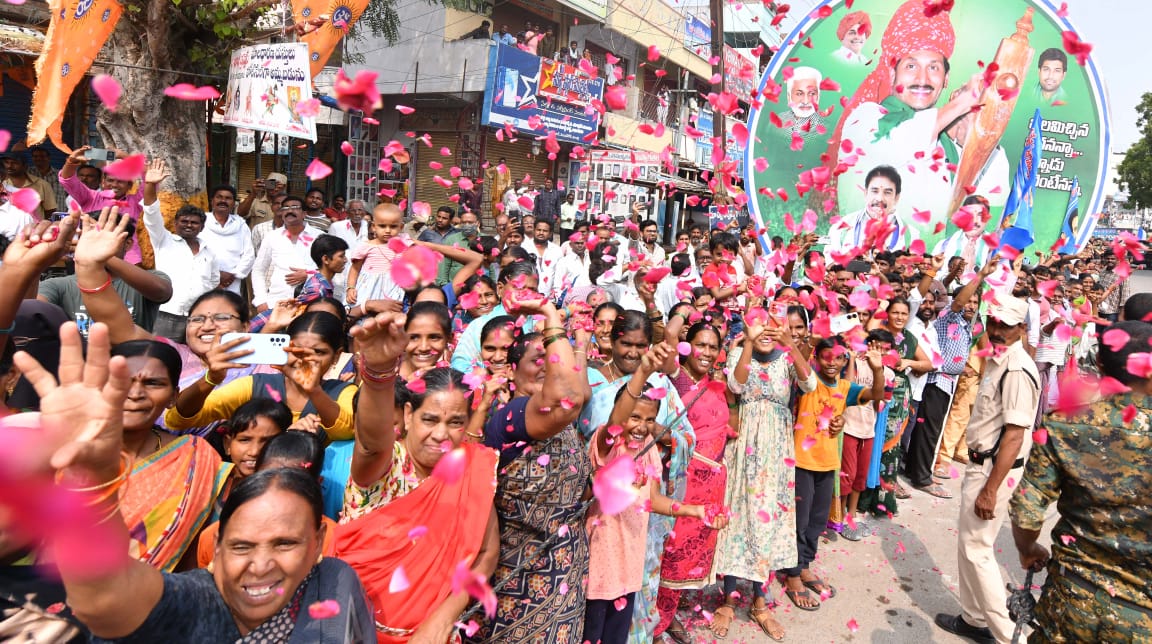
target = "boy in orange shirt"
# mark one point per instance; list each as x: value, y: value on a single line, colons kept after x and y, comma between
x: 819, y: 421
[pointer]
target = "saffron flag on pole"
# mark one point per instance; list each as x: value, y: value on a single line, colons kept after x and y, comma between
x: 79, y: 28
x: 1020, y: 234
x: 340, y: 16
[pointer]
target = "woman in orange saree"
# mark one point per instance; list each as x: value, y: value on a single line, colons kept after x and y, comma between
x: 174, y: 481
x: 418, y: 525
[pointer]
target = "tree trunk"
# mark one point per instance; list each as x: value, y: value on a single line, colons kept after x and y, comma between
x: 148, y: 122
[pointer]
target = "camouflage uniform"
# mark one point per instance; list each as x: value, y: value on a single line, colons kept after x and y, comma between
x: 1098, y: 469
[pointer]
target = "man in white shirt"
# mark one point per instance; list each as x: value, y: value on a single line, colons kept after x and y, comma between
x: 568, y: 215
x: 669, y: 292
x: 284, y: 258
x: 230, y: 239
x: 858, y: 231
x: 893, y: 118
x: 12, y: 220
x: 572, y: 269
x: 354, y: 229
x: 969, y: 245
x: 547, y: 254
x: 189, y: 263
x: 649, y: 236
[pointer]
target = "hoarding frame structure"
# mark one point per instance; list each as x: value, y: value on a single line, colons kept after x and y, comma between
x: 803, y: 29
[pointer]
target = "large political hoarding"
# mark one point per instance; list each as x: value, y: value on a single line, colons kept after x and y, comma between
x: 265, y: 82
x: 942, y: 97
x: 537, y: 95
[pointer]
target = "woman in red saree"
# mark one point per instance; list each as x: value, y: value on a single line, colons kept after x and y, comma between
x: 418, y: 524
x: 687, y: 561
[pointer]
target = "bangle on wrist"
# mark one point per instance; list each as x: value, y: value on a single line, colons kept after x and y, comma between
x: 479, y: 435
x: 379, y: 377
x: 553, y: 338
x: 209, y: 380
x: 103, y: 286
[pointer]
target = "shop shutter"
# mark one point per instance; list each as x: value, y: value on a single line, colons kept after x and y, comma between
x: 246, y: 170
x: 425, y: 188
x: 518, y: 157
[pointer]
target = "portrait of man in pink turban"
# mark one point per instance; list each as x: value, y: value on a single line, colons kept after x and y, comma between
x: 854, y: 29
x: 892, y: 119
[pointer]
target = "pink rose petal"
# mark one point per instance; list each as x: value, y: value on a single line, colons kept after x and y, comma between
x: 308, y: 108
x: 416, y: 266
x: 317, y: 170
x: 26, y: 199
x: 451, y: 466
x: 130, y: 168
x: 189, y: 92
x: 324, y: 609
x: 108, y: 90
x: 399, y: 582
x: 613, y: 487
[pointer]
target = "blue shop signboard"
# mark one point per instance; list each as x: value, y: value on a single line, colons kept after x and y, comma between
x: 536, y: 95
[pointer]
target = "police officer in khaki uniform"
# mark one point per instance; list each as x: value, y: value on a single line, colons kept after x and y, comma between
x: 257, y: 206
x: 999, y: 436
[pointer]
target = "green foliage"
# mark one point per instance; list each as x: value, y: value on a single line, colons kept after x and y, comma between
x: 1136, y: 169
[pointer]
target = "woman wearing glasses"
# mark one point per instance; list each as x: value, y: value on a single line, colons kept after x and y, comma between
x: 211, y: 316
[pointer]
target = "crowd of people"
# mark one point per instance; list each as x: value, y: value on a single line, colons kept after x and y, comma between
x: 545, y: 434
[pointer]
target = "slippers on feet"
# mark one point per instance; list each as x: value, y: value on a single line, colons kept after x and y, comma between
x: 819, y: 586
x: 793, y: 594
x: 937, y: 491
x: 776, y: 633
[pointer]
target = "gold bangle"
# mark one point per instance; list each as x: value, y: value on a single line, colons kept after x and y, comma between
x: 468, y: 433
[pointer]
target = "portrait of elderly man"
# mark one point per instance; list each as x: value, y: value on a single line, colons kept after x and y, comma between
x: 853, y: 30
x: 893, y: 117
x: 803, y: 114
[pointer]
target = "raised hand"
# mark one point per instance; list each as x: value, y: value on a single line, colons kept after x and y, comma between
x: 42, y: 244
x: 157, y: 172
x: 103, y: 238
x: 303, y: 369
x: 221, y: 357
x: 381, y: 340
x: 83, y: 413
x: 655, y: 357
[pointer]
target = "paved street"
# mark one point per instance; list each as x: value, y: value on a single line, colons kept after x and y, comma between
x: 892, y: 583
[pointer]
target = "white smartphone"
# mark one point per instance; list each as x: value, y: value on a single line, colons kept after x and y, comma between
x: 266, y: 348
x: 845, y: 323
x: 99, y: 154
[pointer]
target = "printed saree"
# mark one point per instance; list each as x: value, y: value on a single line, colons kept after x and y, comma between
x: 169, y: 497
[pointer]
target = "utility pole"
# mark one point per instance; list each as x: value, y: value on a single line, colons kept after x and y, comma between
x: 719, y: 127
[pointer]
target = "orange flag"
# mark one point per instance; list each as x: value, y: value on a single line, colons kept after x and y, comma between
x: 78, y: 30
x: 342, y: 14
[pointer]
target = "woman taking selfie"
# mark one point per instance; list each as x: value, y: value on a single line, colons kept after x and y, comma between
x: 204, y: 357
x: 316, y: 342
x: 269, y: 582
